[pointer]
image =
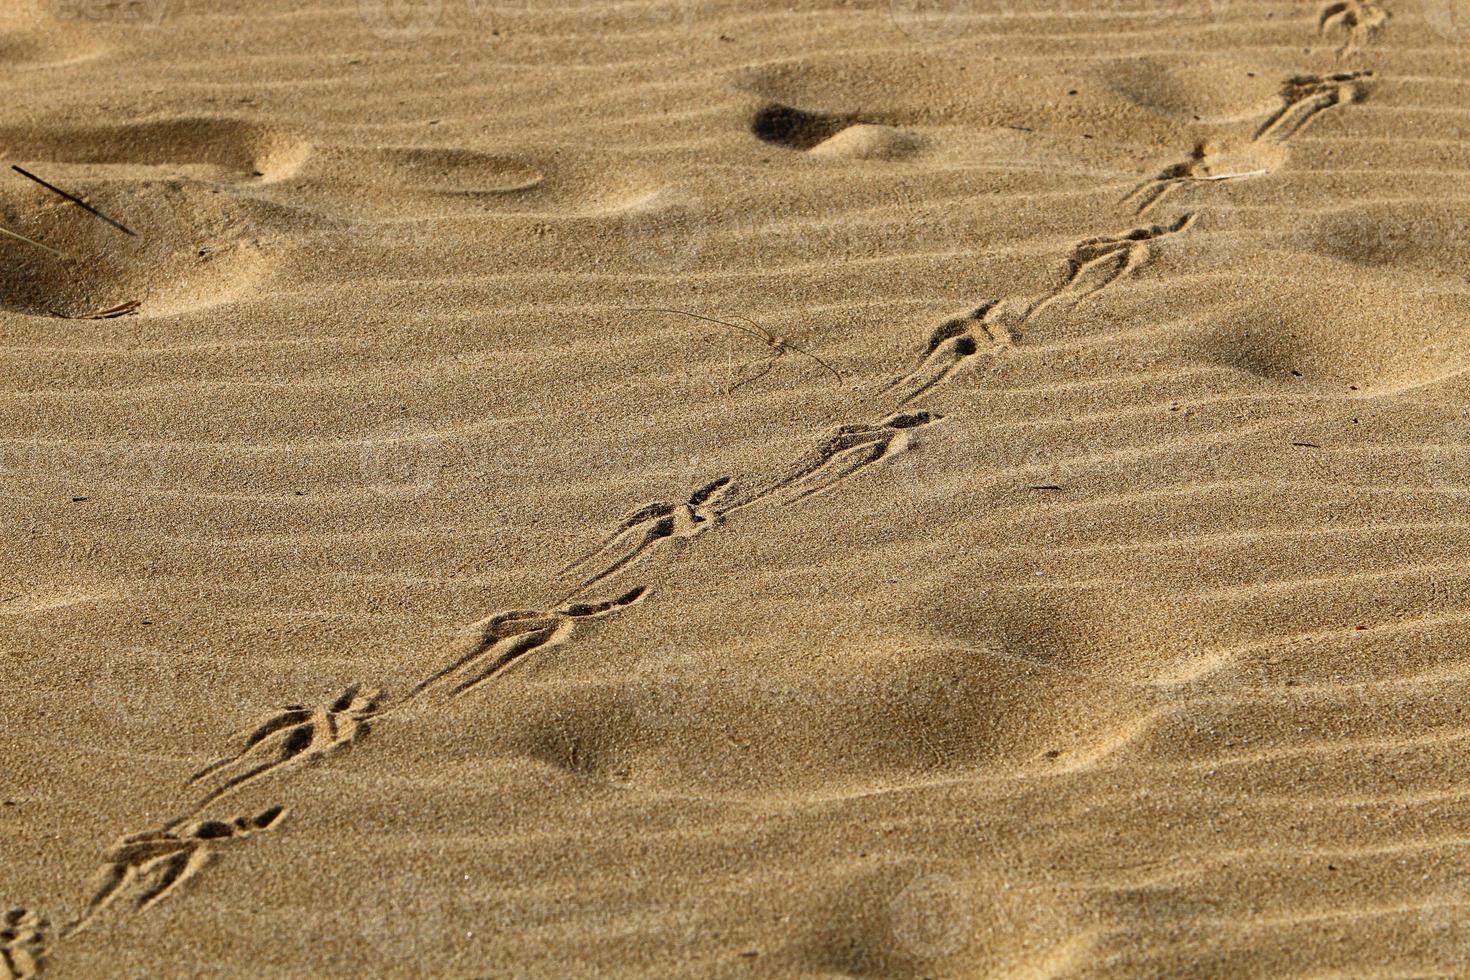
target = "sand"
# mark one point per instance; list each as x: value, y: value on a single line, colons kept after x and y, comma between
x: 1044, y: 559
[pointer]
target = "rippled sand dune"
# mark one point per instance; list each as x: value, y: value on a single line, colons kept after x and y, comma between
x: 905, y: 488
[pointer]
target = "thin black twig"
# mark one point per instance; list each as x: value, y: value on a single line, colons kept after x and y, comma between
x: 75, y: 200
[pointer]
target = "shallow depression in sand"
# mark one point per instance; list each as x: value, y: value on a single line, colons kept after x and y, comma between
x: 1332, y: 333
x: 881, y: 714
x: 186, y: 246
x: 1208, y: 90
x: 1426, y: 237
x: 195, y: 146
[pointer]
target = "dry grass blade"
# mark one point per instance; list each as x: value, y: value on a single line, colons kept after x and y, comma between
x: 122, y: 309
x: 30, y: 241
x: 748, y: 326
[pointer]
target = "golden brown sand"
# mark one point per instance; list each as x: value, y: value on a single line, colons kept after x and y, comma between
x: 1052, y: 565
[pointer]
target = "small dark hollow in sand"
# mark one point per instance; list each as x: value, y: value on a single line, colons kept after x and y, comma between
x: 796, y: 129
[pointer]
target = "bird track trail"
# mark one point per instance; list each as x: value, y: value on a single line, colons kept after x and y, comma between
x: 1303, y: 98
x: 140, y: 870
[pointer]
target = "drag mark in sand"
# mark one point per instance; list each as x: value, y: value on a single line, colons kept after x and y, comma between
x: 1201, y: 167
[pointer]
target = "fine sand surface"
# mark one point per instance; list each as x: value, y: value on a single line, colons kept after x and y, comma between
x: 1052, y: 566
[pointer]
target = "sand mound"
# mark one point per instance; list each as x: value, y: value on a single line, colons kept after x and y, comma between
x: 867, y: 142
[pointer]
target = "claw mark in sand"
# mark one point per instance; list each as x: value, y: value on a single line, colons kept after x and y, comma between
x: 1305, y: 96
x: 1201, y: 167
x: 150, y: 866
x: 653, y: 525
x: 951, y: 345
x: 1358, y: 19
x: 507, y: 637
x: 850, y: 450
x: 1097, y: 263
x: 22, y: 944
x: 293, y: 736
